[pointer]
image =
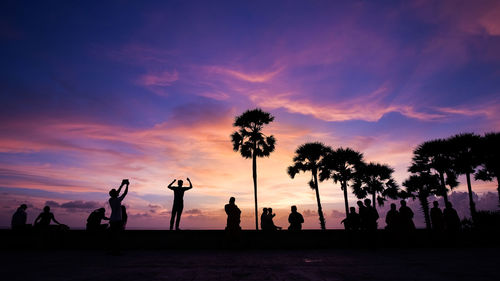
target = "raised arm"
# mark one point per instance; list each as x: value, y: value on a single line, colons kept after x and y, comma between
x: 190, y: 184
x: 125, y: 192
x: 170, y: 185
x: 121, y: 185
x: 37, y: 218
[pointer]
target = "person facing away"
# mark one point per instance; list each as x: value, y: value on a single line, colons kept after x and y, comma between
x: 372, y: 215
x: 451, y: 219
x: 115, y: 202
x: 270, y: 217
x: 437, y: 217
x: 363, y: 215
x: 406, y: 217
x: 43, y: 220
x: 178, y: 201
x: 295, y: 219
x: 352, y: 221
x: 95, y: 218
x: 233, y: 215
x: 392, y: 218
x: 264, y: 223
x: 19, y: 218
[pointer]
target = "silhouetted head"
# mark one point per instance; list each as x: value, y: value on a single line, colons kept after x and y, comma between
x: 264, y: 210
x: 294, y: 209
x: 270, y: 210
x: 113, y: 193
x: 353, y: 210
x: 435, y: 203
x: 179, y: 183
x: 231, y: 200
x: 360, y: 203
x: 368, y: 202
x: 46, y: 209
x: 23, y: 206
x: 393, y: 206
x: 448, y: 205
x: 403, y: 203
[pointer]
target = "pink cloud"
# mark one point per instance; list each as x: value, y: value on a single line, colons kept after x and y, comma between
x: 162, y: 79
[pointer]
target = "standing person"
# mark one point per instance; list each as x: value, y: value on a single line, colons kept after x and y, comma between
x: 451, y: 219
x: 372, y: 215
x: 406, y: 217
x: 363, y: 215
x: 351, y: 222
x: 264, y: 222
x: 19, y: 218
x: 295, y: 219
x: 116, y: 218
x: 392, y: 218
x: 233, y: 215
x: 436, y: 217
x: 95, y: 218
x: 43, y: 220
x: 178, y: 201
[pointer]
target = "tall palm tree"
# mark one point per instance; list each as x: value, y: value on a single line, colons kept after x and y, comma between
x: 422, y: 185
x: 490, y: 159
x: 436, y: 156
x: 376, y: 179
x: 252, y: 143
x: 308, y: 157
x: 465, y: 159
x: 342, y: 165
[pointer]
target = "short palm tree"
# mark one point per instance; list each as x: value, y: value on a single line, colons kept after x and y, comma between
x: 252, y: 143
x: 465, y: 159
x: 376, y: 179
x: 342, y: 166
x: 490, y: 159
x: 422, y: 185
x: 435, y: 156
x: 308, y: 158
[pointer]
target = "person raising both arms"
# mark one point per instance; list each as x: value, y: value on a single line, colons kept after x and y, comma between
x: 178, y: 201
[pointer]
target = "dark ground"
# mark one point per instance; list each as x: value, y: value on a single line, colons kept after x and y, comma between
x: 333, y: 264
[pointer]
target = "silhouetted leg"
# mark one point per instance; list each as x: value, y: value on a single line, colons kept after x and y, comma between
x: 179, y: 213
x: 172, y: 218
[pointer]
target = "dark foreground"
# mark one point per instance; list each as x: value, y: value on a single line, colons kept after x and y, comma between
x: 332, y: 264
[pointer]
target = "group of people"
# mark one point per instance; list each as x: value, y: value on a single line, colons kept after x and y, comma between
x: 400, y: 220
x: 446, y: 220
x: 266, y: 220
x: 365, y: 219
x: 20, y: 217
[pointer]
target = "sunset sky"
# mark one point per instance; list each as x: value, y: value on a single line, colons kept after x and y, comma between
x: 97, y: 91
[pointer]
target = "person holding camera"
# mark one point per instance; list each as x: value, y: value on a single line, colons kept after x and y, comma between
x: 116, y: 218
x: 178, y: 201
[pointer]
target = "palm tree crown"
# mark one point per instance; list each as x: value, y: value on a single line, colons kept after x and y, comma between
x: 252, y: 143
x: 490, y: 159
x: 308, y: 158
x: 375, y: 179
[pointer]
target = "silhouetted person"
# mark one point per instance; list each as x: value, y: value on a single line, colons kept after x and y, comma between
x: 437, y: 217
x: 363, y: 215
x: 95, y: 218
x: 43, y: 220
x: 295, y: 219
x: 352, y: 221
x: 392, y: 218
x: 451, y: 219
x: 19, y: 218
x: 270, y: 216
x: 124, y: 217
x: 178, y: 202
x: 406, y: 217
x: 233, y: 215
x: 264, y: 222
x: 116, y: 218
x: 372, y: 215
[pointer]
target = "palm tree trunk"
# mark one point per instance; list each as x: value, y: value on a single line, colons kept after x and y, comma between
x: 374, y: 198
x: 471, y: 200
x: 425, y: 208
x: 346, y: 202
x: 254, y: 168
x: 443, y: 187
x: 320, y: 210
